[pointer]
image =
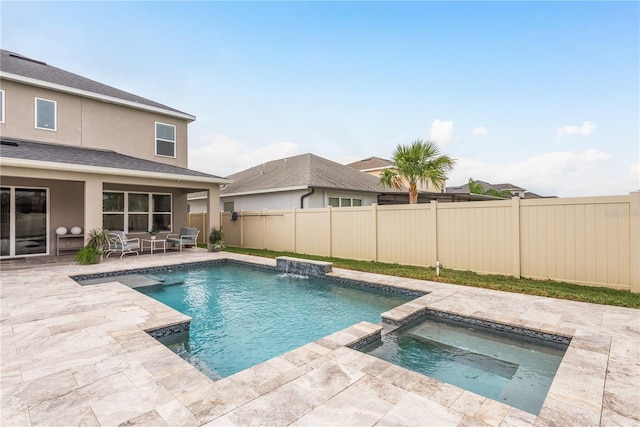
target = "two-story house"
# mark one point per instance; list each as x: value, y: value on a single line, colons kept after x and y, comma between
x: 78, y: 153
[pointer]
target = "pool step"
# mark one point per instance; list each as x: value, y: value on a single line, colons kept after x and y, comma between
x: 131, y: 280
x: 470, y: 339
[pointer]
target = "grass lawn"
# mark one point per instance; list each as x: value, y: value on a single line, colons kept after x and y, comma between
x: 547, y: 288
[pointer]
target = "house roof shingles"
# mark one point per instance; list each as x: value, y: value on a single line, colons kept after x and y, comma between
x: 371, y: 163
x: 17, y: 64
x: 32, y: 150
x: 486, y: 186
x: 306, y: 170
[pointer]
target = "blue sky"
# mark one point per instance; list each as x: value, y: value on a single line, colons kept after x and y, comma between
x: 544, y: 95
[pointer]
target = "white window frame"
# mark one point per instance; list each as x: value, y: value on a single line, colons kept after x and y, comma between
x: 351, y: 199
x: 225, y: 204
x: 150, y: 212
x: 2, y: 106
x: 55, y: 114
x: 175, y: 137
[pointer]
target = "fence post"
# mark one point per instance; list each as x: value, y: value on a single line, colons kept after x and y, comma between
x: 293, y: 233
x: 330, y: 219
x: 433, y: 231
x: 634, y: 241
x: 374, y: 212
x: 264, y: 228
x: 242, y: 228
x: 515, y: 231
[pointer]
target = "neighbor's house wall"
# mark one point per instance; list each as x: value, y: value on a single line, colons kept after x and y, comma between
x: 291, y: 199
x: 89, y: 123
x: 590, y: 241
x: 197, y: 205
x: 276, y: 200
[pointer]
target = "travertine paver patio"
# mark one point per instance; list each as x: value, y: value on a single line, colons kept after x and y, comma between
x: 78, y: 355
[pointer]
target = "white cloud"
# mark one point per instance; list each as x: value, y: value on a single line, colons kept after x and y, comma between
x: 586, y: 129
x: 441, y: 132
x: 221, y: 155
x: 563, y: 173
x: 480, y: 131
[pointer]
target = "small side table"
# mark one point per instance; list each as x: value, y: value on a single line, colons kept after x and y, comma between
x: 153, y: 244
x: 66, y: 236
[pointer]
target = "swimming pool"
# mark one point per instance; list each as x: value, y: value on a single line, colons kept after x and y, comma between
x: 244, y: 316
x: 514, y: 369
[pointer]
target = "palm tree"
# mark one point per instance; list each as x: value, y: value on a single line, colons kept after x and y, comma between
x: 419, y: 162
x: 477, y: 188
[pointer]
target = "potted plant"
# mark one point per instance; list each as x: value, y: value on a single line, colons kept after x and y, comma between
x: 153, y: 231
x: 88, y: 255
x: 215, y: 238
x: 98, y: 239
x: 92, y: 252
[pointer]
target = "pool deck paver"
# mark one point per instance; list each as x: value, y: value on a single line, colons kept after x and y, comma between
x: 79, y: 356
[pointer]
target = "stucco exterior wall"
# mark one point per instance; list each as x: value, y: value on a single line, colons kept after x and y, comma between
x: 89, y: 123
x: 76, y: 198
x: 66, y: 206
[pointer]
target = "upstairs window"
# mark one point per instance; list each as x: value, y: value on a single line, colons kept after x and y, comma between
x: 165, y: 140
x: 45, y: 114
x: 1, y: 106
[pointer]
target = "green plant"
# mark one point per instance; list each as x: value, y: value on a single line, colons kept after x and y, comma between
x: 154, y: 229
x: 88, y: 255
x: 216, y: 236
x: 98, y: 239
x: 477, y: 188
x: 419, y: 162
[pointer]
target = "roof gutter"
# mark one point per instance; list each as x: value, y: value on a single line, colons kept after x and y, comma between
x: 70, y: 167
x: 258, y: 191
x: 305, y: 195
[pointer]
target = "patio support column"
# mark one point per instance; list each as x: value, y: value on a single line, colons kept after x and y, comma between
x: 213, y: 212
x: 92, y: 204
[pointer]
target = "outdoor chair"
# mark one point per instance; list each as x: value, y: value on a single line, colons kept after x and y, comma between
x: 119, y: 243
x: 188, y: 236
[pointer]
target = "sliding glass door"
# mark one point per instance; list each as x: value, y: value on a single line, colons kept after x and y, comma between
x: 25, y: 225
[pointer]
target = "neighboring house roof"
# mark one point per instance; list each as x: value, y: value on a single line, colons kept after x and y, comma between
x: 464, y: 189
x: 486, y: 186
x: 372, y: 163
x: 300, y: 172
x: 508, y: 187
x: 14, y: 66
x: 22, y: 153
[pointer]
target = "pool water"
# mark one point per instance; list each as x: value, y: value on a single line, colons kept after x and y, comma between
x: 242, y: 316
x: 513, y: 369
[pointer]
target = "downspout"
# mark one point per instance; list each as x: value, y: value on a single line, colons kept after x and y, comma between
x: 305, y: 195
